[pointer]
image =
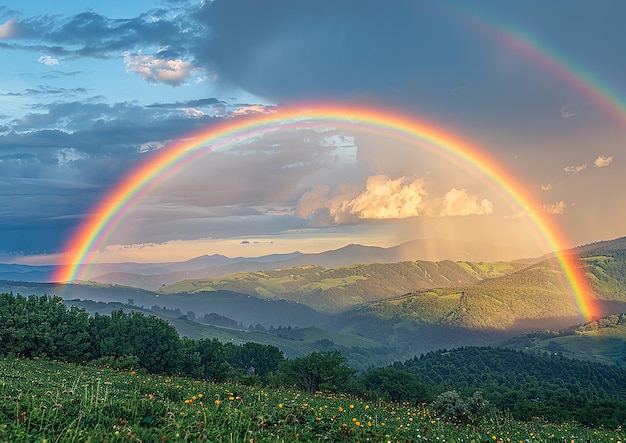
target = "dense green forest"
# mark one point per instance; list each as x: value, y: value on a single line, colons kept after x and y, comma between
x: 526, y: 385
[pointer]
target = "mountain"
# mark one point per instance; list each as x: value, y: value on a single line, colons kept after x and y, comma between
x: 156, y: 276
x: 18, y: 272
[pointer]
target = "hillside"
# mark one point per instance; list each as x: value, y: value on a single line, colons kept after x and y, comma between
x: 602, y: 340
x: 533, y: 298
x: 332, y: 290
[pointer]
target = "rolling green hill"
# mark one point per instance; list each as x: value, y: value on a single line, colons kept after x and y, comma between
x: 531, y: 299
x: 603, y: 340
x: 338, y: 289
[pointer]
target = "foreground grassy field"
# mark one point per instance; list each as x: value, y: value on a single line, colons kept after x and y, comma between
x: 42, y: 401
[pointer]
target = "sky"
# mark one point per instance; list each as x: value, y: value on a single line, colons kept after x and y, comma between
x: 90, y: 90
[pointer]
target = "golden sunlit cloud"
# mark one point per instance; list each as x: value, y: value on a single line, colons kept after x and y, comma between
x: 459, y: 202
x: 252, y: 109
x: 575, y: 169
x: 602, y: 161
x: 557, y: 208
x: 382, y: 198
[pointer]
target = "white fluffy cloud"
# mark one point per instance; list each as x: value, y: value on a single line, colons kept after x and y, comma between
x: 381, y: 198
x: 546, y: 187
x: 459, y: 202
x: 557, y: 208
x: 48, y: 60
x: 158, y: 70
x: 602, y: 161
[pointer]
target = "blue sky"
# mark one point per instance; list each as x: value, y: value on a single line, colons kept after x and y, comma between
x: 88, y: 90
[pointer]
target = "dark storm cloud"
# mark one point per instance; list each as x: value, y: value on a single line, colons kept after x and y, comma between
x: 289, y: 50
x: 56, y: 164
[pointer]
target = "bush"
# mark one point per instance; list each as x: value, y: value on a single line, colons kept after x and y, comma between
x: 452, y: 407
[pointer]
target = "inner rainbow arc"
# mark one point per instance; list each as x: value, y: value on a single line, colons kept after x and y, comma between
x: 92, y: 235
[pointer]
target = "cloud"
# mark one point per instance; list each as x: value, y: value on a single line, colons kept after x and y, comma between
x: 67, y: 155
x: 601, y: 161
x: 565, y: 113
x: 557, y: 208
x: 8, y: 29
x: 252, y: 109
x: 459, y: 202
x: 48, y: 61
x: 546, y: 187
x: 575, y: 169
x: 381, y: 198
x: 171, y: 72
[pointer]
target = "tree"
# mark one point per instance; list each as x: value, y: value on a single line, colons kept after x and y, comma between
x: 318, y: 371
x: 152, y: 340
x: 396, y: 385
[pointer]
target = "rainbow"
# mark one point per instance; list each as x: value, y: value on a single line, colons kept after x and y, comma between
x: 92, y: 235
x: 538, y: 52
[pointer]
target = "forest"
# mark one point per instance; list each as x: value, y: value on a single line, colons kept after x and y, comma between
x: 525, y: 385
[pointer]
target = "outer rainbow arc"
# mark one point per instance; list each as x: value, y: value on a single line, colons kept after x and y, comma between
x: 544, y: 56
x: 92, y: 235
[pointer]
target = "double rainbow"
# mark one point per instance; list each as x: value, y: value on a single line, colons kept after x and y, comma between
x: 92, y: 235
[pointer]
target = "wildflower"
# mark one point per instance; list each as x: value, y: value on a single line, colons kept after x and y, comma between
x: 351, y: 406
x: 340, y: 409
x: 217, y: 402
x: 280, y: 405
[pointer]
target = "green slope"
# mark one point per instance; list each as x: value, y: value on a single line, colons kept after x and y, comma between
x: 603, y: 341
x: 335, y: 290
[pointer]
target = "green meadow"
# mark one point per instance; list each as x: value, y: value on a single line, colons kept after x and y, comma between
x: 46, y: 401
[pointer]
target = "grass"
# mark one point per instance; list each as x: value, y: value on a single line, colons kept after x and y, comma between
x: 42, y: 401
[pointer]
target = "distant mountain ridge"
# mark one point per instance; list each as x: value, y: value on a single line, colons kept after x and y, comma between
x: 154, y: 277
